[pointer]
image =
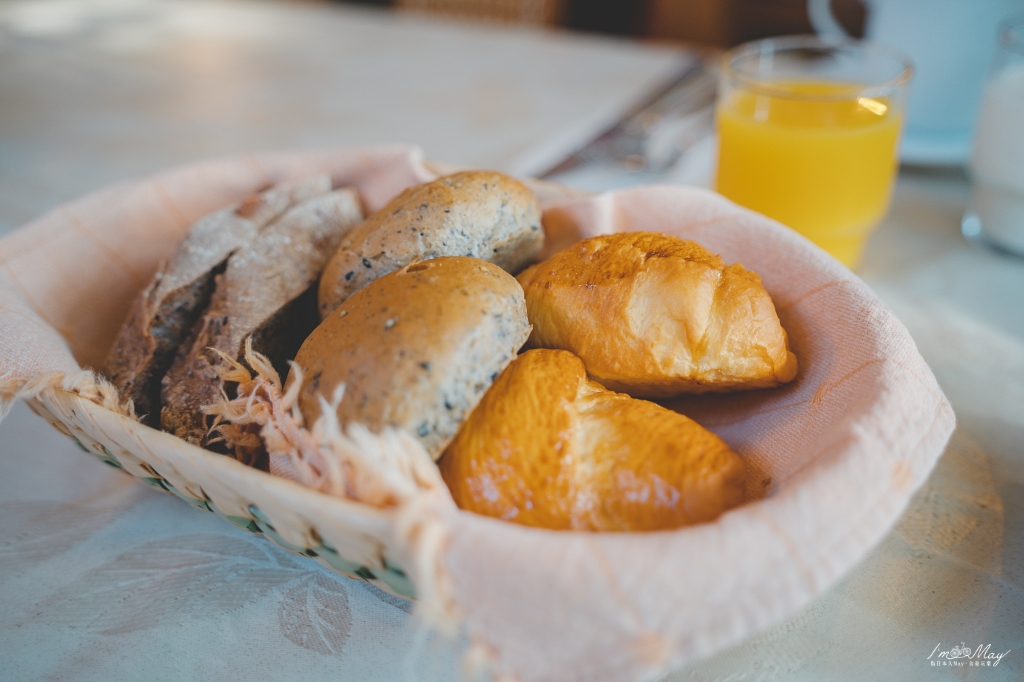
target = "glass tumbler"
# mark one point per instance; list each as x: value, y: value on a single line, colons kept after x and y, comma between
x: 995, y: 215
x: 808, y: 133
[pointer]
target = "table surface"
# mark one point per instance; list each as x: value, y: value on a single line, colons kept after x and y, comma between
x: 101, y: 577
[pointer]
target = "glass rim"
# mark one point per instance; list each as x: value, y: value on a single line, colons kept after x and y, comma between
x: 778, y: 44
x: 1007, y: 30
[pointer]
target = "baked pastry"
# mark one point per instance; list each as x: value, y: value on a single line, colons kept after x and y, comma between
x: 162, y: 316
x: 480, y: 214
x: 548, y: 447
x: 656, y: 316
x: 416, y: 349
x: 268, y: 292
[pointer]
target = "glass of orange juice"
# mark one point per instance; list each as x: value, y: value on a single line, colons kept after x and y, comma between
x: 808, y: 132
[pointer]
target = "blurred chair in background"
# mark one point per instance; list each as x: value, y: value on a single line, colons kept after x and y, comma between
x: 725, y: 23
x: 616, y: 17
x: 721, y: 23
x: 530, y: 12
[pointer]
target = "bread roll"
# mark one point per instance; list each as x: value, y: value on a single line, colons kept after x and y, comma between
x: 416, y: 348
x: 268, y: 292
x: 164, y: 313
x: 477, y: 213
x: 547, y: 447
x: 657, y: 316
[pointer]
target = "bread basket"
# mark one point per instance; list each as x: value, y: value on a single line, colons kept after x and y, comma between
x: 834, y: 458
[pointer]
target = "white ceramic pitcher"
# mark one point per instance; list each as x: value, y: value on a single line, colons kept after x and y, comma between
x: 951, y: 43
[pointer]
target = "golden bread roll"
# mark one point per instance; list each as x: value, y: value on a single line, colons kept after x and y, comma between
x: 480, y: 214
x: 547, y: 447
x: 416, y: 348
x: 657, y: 316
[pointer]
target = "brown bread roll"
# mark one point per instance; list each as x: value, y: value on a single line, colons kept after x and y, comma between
x: 656, y: 316
x: 268, y: 291
x: 547, y: 447
x: 164, y: 313
x: 416, y: 348
x: 479, y: 214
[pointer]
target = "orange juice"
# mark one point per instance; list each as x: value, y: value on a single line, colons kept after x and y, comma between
x: 813, y: 155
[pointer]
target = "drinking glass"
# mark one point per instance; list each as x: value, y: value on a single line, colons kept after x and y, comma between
x: 808, y: 131
x: 996, y: 211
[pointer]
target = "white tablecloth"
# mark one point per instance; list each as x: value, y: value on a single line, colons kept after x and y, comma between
x: 102, y: 578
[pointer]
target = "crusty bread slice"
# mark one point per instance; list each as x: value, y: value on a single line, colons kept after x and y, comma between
x: 267, y: 291
x: 164, y: 313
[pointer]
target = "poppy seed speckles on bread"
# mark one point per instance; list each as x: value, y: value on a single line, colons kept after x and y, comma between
x: 477, y: 214
x: 416, y: 349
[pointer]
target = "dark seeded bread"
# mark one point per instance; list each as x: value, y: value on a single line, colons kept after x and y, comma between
x: 417, y: 348
x: 163, y: 315
x: 268, y: 292
x: 480, y: 214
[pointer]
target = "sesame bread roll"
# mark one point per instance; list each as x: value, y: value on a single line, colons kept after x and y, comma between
x: 415, y: 349
x: 479, y: 214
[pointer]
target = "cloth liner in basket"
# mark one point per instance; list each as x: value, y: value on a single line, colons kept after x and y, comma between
x: 833, y: 458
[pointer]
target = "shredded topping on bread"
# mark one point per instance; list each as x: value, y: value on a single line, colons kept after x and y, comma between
x: 384, y: 470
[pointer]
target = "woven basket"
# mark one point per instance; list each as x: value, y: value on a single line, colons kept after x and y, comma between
x: 350, y: 538
x: 833, y: 458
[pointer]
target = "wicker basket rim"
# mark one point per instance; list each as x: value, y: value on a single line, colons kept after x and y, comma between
x: 228, y: 465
